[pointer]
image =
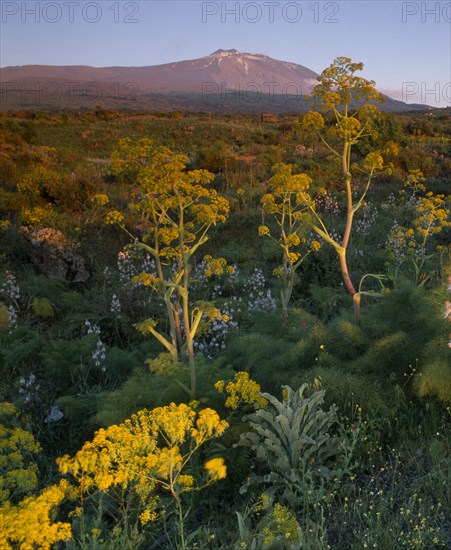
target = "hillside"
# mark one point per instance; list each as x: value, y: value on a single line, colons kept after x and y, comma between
x: 224, y: 81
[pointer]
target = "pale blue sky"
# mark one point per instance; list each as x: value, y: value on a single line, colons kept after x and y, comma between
x: 405, y: 46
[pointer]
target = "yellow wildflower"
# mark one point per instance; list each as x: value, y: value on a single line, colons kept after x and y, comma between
x: 220, y: 386
x: 100, y: 199
x: 113, y: 217
x: 145, y: 279
x: 315, y: 246
x: 147, y: 516
x: 243, y: 389
x: 216, y: 469
x: 18, y: 471
x: 34, y: 513
x: 150, y: 448
x: 186, y: 481
x: 208, y: 425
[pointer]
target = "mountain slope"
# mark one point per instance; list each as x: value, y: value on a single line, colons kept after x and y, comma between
x: 226, y: 80
x: 224, y: 67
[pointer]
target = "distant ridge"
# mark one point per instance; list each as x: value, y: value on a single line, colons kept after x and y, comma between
x: 225, y: 80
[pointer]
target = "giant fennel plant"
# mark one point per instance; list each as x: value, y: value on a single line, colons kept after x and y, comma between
x: 285, y: 203
x: 346, y: 97
x: 176, y: 208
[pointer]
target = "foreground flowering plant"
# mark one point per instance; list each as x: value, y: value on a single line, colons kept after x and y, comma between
x: 148, y: 452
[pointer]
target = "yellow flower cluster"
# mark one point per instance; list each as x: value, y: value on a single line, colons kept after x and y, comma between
x: 433, y: 215
x: 315, y: 246
x: 216, y: 469
x: 145, y: 279
x: 147, y: 516
x: 373, y: 161
x: 113, y: 217
x: 284, y: 525
x: 100, y: 199
x: 313, y: 120
x: 283, y: 184
x: 216, y: 266
x: 349, y: 127
x: 116, y: 456
x: 242, y: 390
x: 369, y: 113
x: 165, y: 364
x: 330, y: 100
x: 208, y: 426
x: 186, y: 481
x: 18, y: 472
x: 37, y: 215
x: 263, y: 503
x: 149, y: 449
x: 28, y: 525
x: 46, y: 155
x: 33, y: 182
x: 293, y: 239
x: 415, y: 180
x: 293, y: 257
x: 166, y: 235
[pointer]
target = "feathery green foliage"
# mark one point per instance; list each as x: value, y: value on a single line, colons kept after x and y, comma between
x: 435, y: 380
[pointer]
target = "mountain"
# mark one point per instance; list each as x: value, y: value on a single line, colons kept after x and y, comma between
x: 226, y: 80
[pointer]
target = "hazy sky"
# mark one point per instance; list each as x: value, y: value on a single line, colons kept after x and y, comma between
x: 405, y: 46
